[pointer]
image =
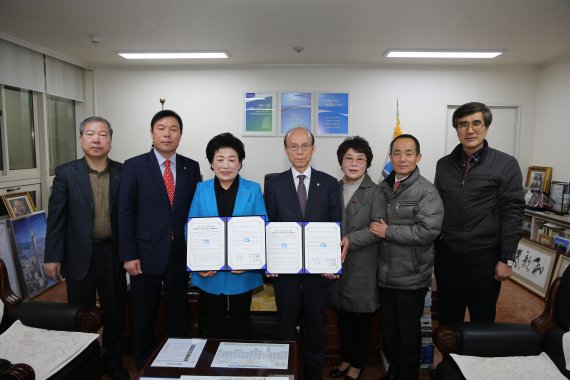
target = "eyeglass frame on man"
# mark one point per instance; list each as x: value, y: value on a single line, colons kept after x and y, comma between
x: 304, y: 148
x: 476, y: 125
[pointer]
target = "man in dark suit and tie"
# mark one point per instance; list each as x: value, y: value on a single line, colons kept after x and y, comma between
x: 81, y: 235
x: 303, y: 194
x: 156, y: 191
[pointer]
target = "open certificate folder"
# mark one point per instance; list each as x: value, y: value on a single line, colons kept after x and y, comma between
x: 219, y: 243
x: 303, y: 247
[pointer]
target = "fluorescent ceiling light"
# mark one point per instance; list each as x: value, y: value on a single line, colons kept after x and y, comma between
x: 176, y: 55
x: 393, y: 53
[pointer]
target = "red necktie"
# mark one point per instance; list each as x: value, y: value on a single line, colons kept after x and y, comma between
x: 169, y: 181
x: 468, y: 165
x: 396, y: 185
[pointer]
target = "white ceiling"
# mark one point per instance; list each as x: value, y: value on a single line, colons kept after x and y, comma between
x: 264, y: 32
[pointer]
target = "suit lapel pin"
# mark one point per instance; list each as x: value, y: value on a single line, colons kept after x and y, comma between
x: 318, y: 184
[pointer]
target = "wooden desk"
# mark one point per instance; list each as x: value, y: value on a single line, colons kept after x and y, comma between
x: 203, y: 366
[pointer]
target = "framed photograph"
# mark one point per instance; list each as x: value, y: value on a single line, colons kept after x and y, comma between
x: 29, y: 235
x: 533, y: 266
x: 259, y: 114
x: 561, y: 265
x: 538, y: 178
x: 561, y: 245
x: 558, y: 203
x: 296, y: 110
x: 18, y: 204
x: 332, y: 114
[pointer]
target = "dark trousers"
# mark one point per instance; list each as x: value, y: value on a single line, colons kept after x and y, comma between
x: 354, y: 330
x: 311, y: 291
x: 214, y: 312
x: 466, y: 281
x: 106, y: 277
x: 401, y: 331
x: 146, y: 290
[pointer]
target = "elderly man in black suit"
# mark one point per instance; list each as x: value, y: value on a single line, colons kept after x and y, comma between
x: 156, y: 191
x: 319, y: 194
x: 81, y: 231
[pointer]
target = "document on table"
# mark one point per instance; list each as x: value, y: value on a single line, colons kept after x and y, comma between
x: 246, y: 243
x: 284, y: 247
x: 251, y: 355
x: 183, y: 353
x: 190, y: 377
x: 322, y: 248
x: 206, y: 247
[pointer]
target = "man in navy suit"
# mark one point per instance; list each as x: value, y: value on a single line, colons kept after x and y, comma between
x: 154, y: 199
x: 81, y: 231
x: 282, y: 200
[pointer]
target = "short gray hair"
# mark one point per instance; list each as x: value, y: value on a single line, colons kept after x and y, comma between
x: 95, y: 119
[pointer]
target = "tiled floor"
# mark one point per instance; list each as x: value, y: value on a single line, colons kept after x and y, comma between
x: 516, y: 304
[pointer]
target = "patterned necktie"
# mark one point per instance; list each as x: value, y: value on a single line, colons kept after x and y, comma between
x: 302, y: 193
x: 468, y: 165
x: 396, y: 185
x: 169, y: 181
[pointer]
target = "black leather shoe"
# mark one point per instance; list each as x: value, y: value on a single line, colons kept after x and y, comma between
x: 118, y: 373
x: 336, y: 373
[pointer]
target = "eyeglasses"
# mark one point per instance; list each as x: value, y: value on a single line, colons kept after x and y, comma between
x: 295, y: 147
x: 477, y: 125
x: 360, y: 161
x: 90, y: 135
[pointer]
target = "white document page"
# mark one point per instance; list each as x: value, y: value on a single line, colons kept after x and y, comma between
x: 322, y: 247
x: 182, y: 353
x: 46, y: 351
x: 251, y: 355
x: 246, y: 243
x: 284, y: 247
x: 189, y: 377
x: 206, y: 244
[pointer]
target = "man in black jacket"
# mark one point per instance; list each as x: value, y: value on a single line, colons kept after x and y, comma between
x: 482, y: 193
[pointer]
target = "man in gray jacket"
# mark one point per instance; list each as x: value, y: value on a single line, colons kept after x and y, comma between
x: 414, y: 213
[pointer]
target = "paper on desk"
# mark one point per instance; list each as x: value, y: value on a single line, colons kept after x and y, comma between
x: 251, y: 355
x: 182, y: 353
x: 46, y: 351
x: 229, y: 378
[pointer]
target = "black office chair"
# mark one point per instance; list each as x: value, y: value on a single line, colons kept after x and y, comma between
x: 544, y: 334
x: 52, y: 316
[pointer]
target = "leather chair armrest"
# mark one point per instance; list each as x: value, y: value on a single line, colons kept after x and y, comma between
x: 19, y: 371
x: 445, y: 339
x: 497, y: 339
x: 56, y: 316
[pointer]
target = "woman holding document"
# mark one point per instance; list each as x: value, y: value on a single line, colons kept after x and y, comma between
x: 355, y: 294
x: 227, y: 194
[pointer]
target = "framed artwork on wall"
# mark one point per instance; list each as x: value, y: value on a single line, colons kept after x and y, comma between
x: 533, y: 266
x: 18, y: 204
x: 259, y: 114
x: 332, y: 114
x: 295, y: 110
